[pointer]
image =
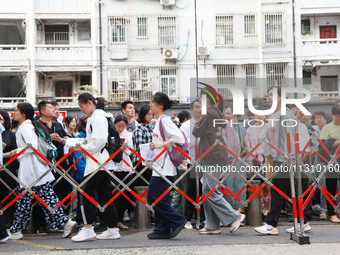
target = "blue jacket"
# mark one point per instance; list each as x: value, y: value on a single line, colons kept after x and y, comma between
x: 80, y: 166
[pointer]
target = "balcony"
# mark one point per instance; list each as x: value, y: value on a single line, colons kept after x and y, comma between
x: 323, y: 96
x: 80, y: 55
x: 10, y: 102
x: 13, y: 55
x: 320, y: 48
x: 317, y: 6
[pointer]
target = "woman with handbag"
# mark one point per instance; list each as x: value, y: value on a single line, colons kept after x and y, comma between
x: 168, y: 223
x: 30, y: 170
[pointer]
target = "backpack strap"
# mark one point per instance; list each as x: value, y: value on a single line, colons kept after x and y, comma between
x: 161, y: 130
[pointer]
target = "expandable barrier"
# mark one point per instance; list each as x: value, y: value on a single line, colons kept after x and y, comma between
x: 291, y: 159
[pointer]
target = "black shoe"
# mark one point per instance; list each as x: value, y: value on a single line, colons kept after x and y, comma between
x: 154, y: 235
x: 178, y: 229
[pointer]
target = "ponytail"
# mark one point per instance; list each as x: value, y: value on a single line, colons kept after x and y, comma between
x: 162, y: 99
x: 99, y: 102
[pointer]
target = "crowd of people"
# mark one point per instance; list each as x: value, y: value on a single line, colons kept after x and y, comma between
x: 149, y: 125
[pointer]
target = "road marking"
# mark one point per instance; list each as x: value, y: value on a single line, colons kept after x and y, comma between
x: 39, y: 245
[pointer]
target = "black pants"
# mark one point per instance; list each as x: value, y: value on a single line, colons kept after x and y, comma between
x: 331, y: 185
x: 3, y: 232
x: 190, y: 209
x: 146, y: 174
x: 166, y: 218
x: 101, y: 182
x: 282, y: 182
x: 121, y: 203
x: 4, y: 192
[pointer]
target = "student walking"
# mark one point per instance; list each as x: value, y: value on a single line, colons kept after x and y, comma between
x: 168, y: 223
x: 30, y: 170
x: 97, y: 134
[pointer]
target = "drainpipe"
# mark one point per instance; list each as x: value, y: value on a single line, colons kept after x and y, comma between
x: 100, y: 49
x: 294, y: 43
x: 31, y: 42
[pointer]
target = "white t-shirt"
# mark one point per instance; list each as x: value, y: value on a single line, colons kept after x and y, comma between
x: 171, y: 133
x: 187, y: 128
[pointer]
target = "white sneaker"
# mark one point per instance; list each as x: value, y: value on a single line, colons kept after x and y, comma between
x: 267, y: 230
x: 236, y: 224
x: 69, y: 228
x: 307, y: 228
x: 110, y: 233
x: 188, y: 225
x: 3, y: 240
x: 15, y: 236
x: 85, y: 234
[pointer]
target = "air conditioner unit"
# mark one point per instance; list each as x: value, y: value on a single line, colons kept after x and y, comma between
x: 167, y: 3
x: 135, y: 85
x: 203, y: 51
x: 170, y: 53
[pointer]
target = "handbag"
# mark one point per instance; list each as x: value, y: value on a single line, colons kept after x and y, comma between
x: 176, y: 156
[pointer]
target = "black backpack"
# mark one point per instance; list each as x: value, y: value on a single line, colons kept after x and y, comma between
x: 113, y: 142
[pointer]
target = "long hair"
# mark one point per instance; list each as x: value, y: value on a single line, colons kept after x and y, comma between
x: 28, y: 110
x: 142, y: 113
x: 7, y: 119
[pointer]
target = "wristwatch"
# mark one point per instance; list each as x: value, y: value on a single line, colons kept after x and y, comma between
x: 62, y: 141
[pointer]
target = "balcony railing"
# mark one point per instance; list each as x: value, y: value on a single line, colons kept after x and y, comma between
x: 324, y: 95
x: 133, y: 95
x: 11, y: 101
x: 64, y: 54
x: 57, y: 38
x: 13, y: 54
x: 321, y: 48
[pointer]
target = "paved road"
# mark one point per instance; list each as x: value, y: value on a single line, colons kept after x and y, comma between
x: 188, y: 242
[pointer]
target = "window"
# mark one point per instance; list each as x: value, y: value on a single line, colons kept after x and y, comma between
x: 251, y: 71
x: 166, y: 31
x: 142, y: 23
x: 84, y: 31
x: 329, y: 83
x: 327, y: 32
x: 249, y: 24
x: 225, y: 75
x: 12, y: 34
x: 169, y: 81
x: 118, y: 30
x: 57, y: 34
x: 63, y: 89
x: 273, y: 29
x: 224, y: 30
x: 276, y: 74
x: 305, y: 26
x: 307, y: 77
x: 85, y: 80
x: 12, y: 86
x: 143, y: 74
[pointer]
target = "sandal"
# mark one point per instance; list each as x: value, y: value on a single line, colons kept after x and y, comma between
x: 122, y: 226
x: 334, y: 219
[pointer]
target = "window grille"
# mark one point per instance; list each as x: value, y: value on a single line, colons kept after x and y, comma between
x: 166, y: 31
x: 224, y: 30
x: 274, y: 28
x: 249, y: 24
x: 276, y: 74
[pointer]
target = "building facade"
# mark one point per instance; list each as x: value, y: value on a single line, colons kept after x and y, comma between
x: 129, y: 49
